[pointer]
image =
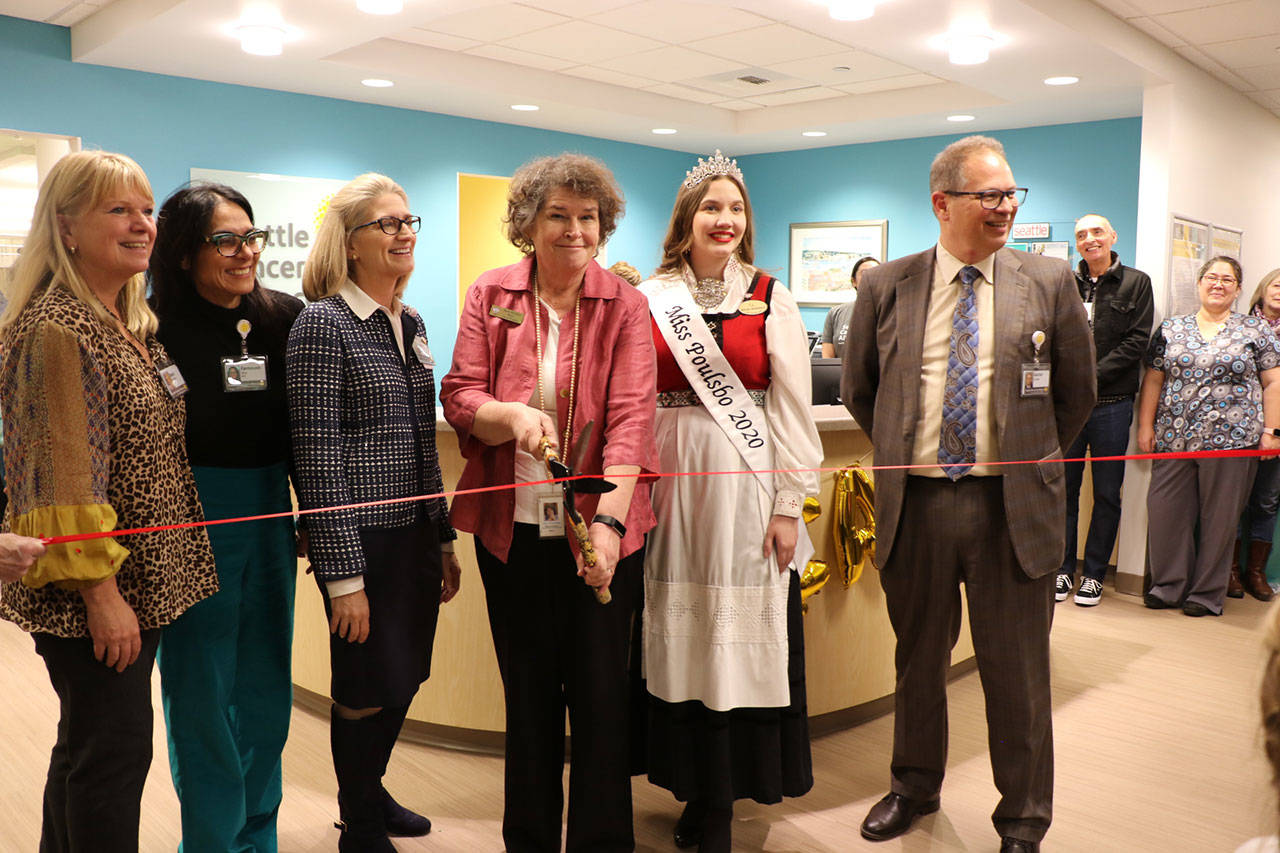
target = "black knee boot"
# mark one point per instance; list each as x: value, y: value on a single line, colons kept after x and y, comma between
x: 398, y: 820
x: 357, y: 749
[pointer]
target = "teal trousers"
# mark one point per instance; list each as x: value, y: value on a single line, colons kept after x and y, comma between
x: 225, y: 670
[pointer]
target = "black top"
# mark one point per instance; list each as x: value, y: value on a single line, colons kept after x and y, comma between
x: 239, y: 429
x: 1122, y: 311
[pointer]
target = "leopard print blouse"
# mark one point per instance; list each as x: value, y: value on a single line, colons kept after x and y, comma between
x: 89, y: 422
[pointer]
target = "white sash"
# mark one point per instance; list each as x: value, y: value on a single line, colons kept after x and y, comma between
x: 717, y: 384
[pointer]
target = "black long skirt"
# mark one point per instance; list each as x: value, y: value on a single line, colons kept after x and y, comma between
x: 403, y: 573
x: 760, y: 754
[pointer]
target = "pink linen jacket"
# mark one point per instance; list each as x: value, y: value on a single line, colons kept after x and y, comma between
x: 494, y: 359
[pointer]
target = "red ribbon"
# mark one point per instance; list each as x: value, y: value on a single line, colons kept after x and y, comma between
x: 104, y: 534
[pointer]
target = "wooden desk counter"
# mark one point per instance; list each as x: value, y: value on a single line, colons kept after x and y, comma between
x: 848, y: 639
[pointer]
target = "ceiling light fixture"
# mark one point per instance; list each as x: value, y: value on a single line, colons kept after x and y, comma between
x: 525, y: 108
x: 814, y: 133
x: 969, y: 48
x: 377, y: 83
x: 960, y: 117
x: 380, y: 7
x: 1066, y: 80
x: 664, y: 131
x: 851, y: 10
x: 261, y: 39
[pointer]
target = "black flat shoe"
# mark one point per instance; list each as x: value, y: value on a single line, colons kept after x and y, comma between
x: 1155, y: 602
x: 1195, y: 608
x: 1018, y: 845
x: 688, y: 831
x: 893, y: 815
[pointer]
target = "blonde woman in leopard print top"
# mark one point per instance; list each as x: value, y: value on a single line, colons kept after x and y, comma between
x: 95, y: 443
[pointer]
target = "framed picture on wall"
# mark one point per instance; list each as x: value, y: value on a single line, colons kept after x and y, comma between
x: 1188, y: 248
x: 823, y: 254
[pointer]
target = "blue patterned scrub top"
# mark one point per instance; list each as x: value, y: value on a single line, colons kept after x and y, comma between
x: 1212, y: 397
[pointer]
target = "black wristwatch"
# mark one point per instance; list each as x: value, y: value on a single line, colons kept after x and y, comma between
x: 1271, y: 430
x: 609, y: 521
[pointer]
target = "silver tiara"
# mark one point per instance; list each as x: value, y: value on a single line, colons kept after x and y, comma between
x: 712, y: 167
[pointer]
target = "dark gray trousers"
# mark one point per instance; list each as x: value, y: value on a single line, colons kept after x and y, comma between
x: 952, y: 533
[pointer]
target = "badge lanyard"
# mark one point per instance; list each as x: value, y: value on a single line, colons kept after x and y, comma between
x: 245, y: 372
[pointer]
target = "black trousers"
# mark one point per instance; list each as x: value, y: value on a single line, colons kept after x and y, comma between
x: 93, y: 796
x: 558, y: 647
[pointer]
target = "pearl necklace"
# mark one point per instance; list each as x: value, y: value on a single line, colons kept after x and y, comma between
x: 573, y: 364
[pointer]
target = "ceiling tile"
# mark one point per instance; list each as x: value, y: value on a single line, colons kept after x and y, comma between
x: 1161, y: 7
x: 1262, y: 76
x: 1157, y: 31
x: 909, y: 81
x: 777, y: 42
x: 737, y: 106
x: 518, y: 57
x: 1217, y: 69
x: 798, y: 96
x: 75, y: 13
x: 669, y: 64
x: 1238, y: 20
x: 1243, y: 53
x: 1121, y: 8
x: 861, y: 66
x: 678, y: 21
x: 581, y: 43
x: 685, y: 93
x: 427, y: 38
x: 576, y: 8
x: 493, y: 23
x: 731, y: 85
x: 604, y: 75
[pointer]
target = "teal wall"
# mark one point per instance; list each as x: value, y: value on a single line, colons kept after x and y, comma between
x: 1071, y: 170
x: 170, y: 124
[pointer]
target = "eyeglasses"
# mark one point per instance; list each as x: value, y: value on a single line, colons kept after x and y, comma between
x: 391, y: 224
x: 228, y: 243
x: 991, y: 199
x: 1213, y: 278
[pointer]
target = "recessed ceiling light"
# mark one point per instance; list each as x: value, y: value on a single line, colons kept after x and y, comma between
x: 960, y: 117
x: 377, y: 83
x: 261, y: 39
x: 969, y: 48
x: 851, y: 10
x: 814, y: 133
x: 664, y: 131
x: 525, y: 108
x: 1066, y: 80
x: 380, y: 7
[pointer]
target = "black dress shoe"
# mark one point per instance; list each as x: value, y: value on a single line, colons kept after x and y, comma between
x: 893, y: 815
x: 1195, y: 608
x: 1155, y: 602
x: 688, y: 832
x: 1018, y: 845
x: 401, y: 822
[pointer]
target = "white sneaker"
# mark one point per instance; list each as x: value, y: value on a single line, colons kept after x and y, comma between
x: 1089, y: 593
x: 1062, y: 588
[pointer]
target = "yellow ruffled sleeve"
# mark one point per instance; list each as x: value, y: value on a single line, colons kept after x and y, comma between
x: 72, y: 565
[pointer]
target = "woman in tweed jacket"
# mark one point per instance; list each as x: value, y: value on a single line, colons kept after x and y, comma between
x: 362, y: 413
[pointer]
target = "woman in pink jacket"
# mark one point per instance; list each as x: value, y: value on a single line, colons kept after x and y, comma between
x: 545, y: 348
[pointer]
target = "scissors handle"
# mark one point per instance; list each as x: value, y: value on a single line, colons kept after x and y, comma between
x: 549, y: 455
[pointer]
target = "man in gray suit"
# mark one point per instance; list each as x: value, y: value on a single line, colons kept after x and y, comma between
x: 959, y: 358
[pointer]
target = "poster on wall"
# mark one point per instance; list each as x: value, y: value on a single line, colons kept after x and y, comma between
x: 823, y: 254
x: 1227, y: 241
x: 1050, y: 249
x: 289, y: 208
x: 1188, y: 250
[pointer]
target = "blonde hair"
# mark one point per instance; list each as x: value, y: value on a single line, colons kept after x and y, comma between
x: 1262, y: 287
x: 627, y: 273
x: 327, y: 269
x: 77, y: 183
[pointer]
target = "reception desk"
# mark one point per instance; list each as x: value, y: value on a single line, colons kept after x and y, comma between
x: 848, y: 640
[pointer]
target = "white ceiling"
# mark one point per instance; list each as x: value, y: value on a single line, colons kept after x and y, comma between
x: 619, y: 68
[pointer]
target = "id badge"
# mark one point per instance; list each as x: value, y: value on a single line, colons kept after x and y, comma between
x: 171, y: 378
x: 246, y: 373
x: 1035, y: 379
x: 1088, y: 311
x: 423, y: 352
x: 550, y: 517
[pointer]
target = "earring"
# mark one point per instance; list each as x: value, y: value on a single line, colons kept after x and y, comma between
x: 72, y: 250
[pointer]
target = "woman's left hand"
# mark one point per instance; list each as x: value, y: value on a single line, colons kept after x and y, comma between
x: 606, y: 542
x: 781, y: 536
x: 452, y: 576
x: 1270, y: 443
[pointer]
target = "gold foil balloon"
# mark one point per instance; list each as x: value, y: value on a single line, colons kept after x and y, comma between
x: 854, y: 526
x: 812, y: 580
x: 812, y: 509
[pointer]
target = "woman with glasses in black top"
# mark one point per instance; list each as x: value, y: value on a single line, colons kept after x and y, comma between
x: 362, y: 410
x: 225, y: 663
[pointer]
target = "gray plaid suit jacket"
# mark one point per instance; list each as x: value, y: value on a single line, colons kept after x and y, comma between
x: 881, y: 382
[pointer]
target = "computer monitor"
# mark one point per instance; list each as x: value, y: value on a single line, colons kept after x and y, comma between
x: 826, y: 381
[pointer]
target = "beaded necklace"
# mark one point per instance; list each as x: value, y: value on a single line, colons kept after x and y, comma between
x: 573, y: 364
